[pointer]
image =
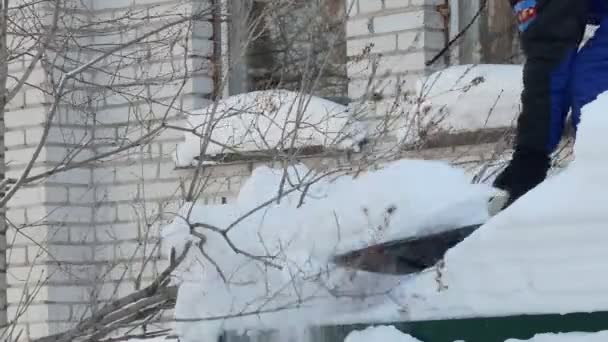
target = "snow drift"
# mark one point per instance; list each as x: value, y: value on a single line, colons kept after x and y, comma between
x: 301, y: 232
x: 544, y: 254
x: 456, y: 99
x: 267, y: 120
x: 470, y: 97
x: 381, y: 333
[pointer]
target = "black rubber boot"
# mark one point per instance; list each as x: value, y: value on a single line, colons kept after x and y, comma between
x: 526, y: 170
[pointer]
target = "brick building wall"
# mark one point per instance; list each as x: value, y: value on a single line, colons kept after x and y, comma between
x: 46, y: 218
x: 82, y: 237
x: 388, y: 44
x: 400, y: 36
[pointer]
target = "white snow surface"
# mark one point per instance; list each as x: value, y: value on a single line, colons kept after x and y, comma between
x: 544, y: 254
x: 339, y: 214
x: 455, y: 99
x: 468, y: 97
x: 266, y: 120
x: 383, y: 333
x: 568, y: 337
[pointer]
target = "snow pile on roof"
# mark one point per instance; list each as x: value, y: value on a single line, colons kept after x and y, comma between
x: 569, y: 337
x: 469, y: 97
x: 381, y: 333
x: 544, y: 254
x: 402, y: 199
x: 267, y: 120
x: 458, y: 98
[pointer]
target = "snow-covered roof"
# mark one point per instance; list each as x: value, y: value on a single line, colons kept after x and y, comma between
x: 267, y: 120
x: 469, y: 97
x: 404, y: 198
x: 455, y: 99
x: 545, y: 254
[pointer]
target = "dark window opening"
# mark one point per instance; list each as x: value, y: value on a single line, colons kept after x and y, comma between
x: 285, y: 44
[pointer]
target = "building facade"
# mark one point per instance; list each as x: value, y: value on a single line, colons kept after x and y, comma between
x: 90, y: 233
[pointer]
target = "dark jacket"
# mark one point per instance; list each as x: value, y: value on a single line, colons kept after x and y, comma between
x: 551, y: 32
x: 598, y: 9
x: 558, y: 78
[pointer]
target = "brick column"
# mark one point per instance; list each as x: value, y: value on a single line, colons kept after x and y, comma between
x: 397, y: 37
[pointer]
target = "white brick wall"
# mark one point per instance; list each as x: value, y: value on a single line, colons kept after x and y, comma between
x: 400, y: 35
x: 30, y: 208
x: 130, y: 190
x: 391, y: 42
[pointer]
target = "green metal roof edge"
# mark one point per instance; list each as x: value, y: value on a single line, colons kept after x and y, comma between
x: 490, y: 329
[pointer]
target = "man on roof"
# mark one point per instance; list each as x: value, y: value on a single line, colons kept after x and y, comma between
x: 557, y: 78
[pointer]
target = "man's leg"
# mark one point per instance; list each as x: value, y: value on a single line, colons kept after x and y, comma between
x: 590, y: 75
x: 550, y: 37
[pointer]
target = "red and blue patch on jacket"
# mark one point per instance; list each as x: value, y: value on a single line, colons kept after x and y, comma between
x: 526, y: 12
